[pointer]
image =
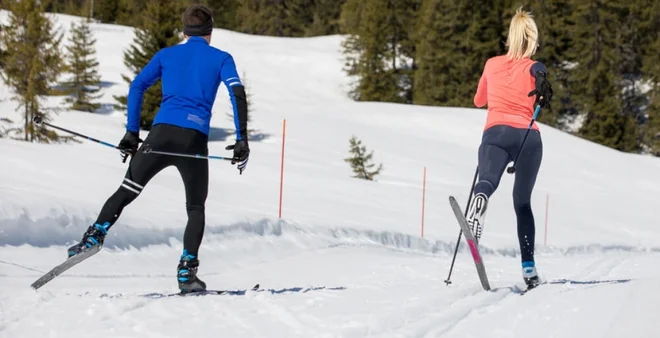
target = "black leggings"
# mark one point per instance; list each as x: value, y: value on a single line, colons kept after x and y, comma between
x: 143, y: 167
x: 500, y: 146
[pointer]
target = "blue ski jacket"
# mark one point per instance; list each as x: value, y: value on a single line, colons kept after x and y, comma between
x: 190, y: 73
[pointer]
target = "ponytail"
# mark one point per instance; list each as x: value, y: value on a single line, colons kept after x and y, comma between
x: 523, y: 35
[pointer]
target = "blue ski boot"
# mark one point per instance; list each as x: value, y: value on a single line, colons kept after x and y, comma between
x: 530, y: 276
x: 187, y: 274
x: 94, y: 236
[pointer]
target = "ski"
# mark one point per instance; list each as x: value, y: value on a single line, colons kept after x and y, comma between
x: 66, y: 265
x: 199, y: 293
x: 472, y: 243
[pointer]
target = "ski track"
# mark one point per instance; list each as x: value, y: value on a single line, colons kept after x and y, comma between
x: 422, y: 307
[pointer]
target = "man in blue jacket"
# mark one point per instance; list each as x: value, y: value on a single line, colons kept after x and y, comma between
x: 191, y: 74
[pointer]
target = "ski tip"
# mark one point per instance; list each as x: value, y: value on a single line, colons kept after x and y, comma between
x: 255, y: 288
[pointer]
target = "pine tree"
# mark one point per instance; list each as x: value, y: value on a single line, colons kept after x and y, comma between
x: 555, y: 40
x: 373, y: 49
x: 650, y: 130
x: 455, y: 39
x: 7, y: 128
x: 107, y: 11
x: 631, y: 39
x: 160, y: 28
x: 131, y: 12
x: 267, y: 17
x: 594, y: 79
x: 224, y: 13
x: 439, y: 37
x: 359, y: 160
x: 325, y: 17
x: 84, y: 68
x: 33, y: 62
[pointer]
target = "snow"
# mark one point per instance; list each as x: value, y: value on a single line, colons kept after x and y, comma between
x: 347, y: 258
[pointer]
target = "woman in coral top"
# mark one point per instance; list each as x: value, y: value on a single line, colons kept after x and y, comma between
x: 511, y: 85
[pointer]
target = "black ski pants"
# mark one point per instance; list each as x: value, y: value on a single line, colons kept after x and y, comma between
x: 500, y: 145
x: 144, y: 166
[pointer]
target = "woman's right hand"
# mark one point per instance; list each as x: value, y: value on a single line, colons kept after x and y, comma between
x: 543, y: 90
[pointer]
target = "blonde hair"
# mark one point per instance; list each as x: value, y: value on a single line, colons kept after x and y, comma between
x: 523, y: 35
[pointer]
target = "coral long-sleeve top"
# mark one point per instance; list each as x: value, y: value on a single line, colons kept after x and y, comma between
x: 504, y: 86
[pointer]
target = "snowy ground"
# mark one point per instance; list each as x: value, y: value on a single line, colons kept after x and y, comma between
x: 347, y: 259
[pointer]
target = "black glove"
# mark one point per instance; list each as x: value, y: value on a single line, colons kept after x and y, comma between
x: 241, y: 154
x: 129, y: 144
x: 543, y: 90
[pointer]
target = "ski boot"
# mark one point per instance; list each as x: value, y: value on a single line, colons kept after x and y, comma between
x: 477, y: 215
x: 187, y: 274
x: 530, y: 276
x: 94, y: 236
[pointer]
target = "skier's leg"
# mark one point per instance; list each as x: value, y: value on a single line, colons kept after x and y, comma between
x: 492, y: 162
x: 142, y: 168
x: 195, y: 176
x: 527, y: 170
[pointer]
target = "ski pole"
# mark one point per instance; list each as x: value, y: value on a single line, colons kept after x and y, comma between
x: 39, y: 120
x: 512, y: 168
x: 460, y: 232
x: 147, y: 150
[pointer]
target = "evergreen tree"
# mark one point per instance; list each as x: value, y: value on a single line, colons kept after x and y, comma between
x: 455, y: 39
x: 359, y: 160
x: 325, y: 18
x: 131, y: 12
x: 33, y: 62
x: 84, y: 68
x: 441, y: 30
x: 632, y: 36
x: 594, y: 79
x: 6, y: 127
x: 160, y: 28
x: 288, y: 17
x: 377, y: 48
x: 270, y: 17
x: 404, y: 16
x: 224, y: 12
x: 554, y: 21
x: 650, y: 130
x: 107, y: 11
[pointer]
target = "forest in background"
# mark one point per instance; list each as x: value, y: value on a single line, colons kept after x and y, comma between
x: 603, y: 56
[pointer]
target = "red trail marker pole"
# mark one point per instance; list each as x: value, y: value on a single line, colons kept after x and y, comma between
x: 423, y: 200
x: 547, y: 202
x: 282, y: 166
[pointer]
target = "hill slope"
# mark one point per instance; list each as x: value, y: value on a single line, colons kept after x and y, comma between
x: 346, y: 259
